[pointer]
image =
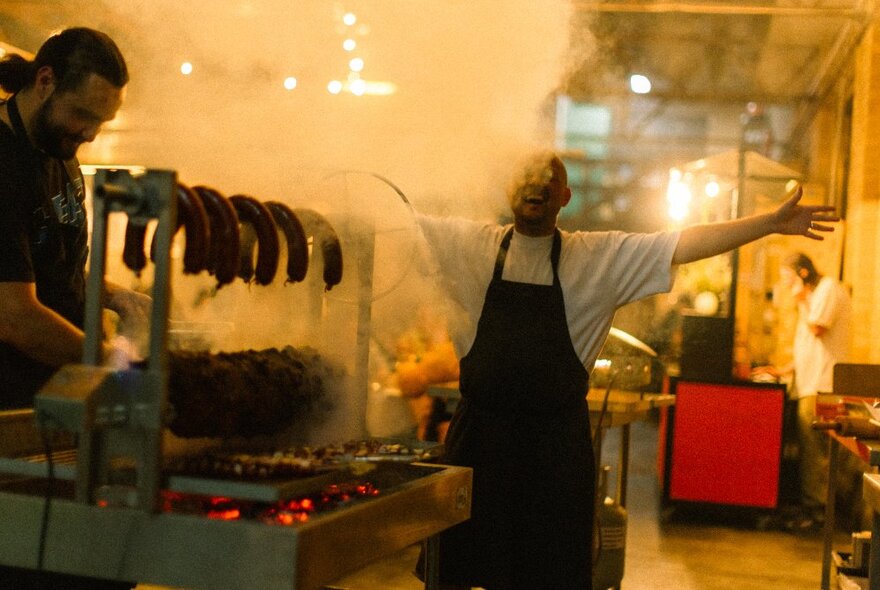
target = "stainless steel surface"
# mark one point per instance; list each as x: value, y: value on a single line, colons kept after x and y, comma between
x: 146, y: 196
x: 19, y: 435
x: 200, y: 553
x: 871, y: 497
x: 828, y: 529
x: 117, y: 415
x: 253, y: 489
x: 625, y: 362
x: 622, y: 371
x: 631, y: 340
x: 866, y: 450
x: 114, y: 521
x: 203, y: 554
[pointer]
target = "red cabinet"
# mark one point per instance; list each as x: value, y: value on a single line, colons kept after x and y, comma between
x: 723, y: 444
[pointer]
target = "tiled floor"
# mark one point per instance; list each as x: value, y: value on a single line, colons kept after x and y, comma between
x: 679, y: 554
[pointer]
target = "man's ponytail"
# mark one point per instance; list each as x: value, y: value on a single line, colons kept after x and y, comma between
x: 16, y: 72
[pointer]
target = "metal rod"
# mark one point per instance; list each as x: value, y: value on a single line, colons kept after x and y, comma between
x: 874, y: 559
x: 623, y: 466
x: 93, y: 318
x: 366, y: 259
x: 731, y: 9
x: 161, y: 277
x: 828, y: 529
x: 432, y: 562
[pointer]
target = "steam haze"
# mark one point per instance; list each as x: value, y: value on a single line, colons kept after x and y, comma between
x: 475, y: 89
x: 473, y: 79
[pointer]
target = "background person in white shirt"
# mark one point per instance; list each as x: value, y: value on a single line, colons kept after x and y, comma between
x: 822, y: 339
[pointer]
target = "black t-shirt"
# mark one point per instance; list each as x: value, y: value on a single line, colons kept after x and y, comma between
x: 43, y: 239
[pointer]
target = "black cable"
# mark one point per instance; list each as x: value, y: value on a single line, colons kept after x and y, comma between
x: 598, y: 462
x: 47, y: 501
x: 604, y: 409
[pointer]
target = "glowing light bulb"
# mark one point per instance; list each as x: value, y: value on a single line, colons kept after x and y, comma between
x: 639, y: 84
x: 380, y: 88
x: 186, y: 68
x: 290, y: 82
x: 349, y: 18
x: 678, y: 211
x: 358, y: 87
x: 349, y: 44
x: 356, y: 65
x: 334, y: 87
x: 712, y: 189
x: 678, y: 192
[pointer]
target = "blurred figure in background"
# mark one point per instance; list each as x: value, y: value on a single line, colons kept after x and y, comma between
x: 822, y: 339
x: 425, y: 356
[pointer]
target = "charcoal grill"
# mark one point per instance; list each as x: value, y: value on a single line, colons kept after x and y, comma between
x: 109, y: 510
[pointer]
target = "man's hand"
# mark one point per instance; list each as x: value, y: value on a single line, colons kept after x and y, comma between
x: 120, y: 352
x: 133, y: 309
x: 766, y: 370
x: 803, y: 220
x: 710, y: 239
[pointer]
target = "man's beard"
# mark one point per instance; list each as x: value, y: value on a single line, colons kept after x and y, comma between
x: 53, y: 139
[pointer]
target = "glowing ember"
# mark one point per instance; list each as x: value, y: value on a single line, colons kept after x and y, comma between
x: 286, y: 513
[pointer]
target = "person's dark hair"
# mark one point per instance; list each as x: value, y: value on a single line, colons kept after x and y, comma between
x: 73, y: 54
x: 804, y: 267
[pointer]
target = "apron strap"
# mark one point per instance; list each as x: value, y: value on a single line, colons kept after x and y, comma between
x: 15, y: 119
x: 502, y: 254
x: 71, y: 167
x: 505, y: 244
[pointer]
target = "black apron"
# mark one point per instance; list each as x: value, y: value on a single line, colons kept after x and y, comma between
x: 523, y: 426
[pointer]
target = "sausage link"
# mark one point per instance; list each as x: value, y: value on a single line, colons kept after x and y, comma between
x: 324, y: 237
x: 297, y: 242
x: 192, y: 216
x: 223, y: 258
x: 257, y: 215
x: 248, y: 242
x: 133, y: 254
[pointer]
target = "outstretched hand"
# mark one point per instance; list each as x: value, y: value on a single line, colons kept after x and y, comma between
x: 803, y: 220
x: 710, y: 239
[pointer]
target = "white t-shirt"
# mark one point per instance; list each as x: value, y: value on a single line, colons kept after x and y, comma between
x: 598, y: 271
x: 815, y: 356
